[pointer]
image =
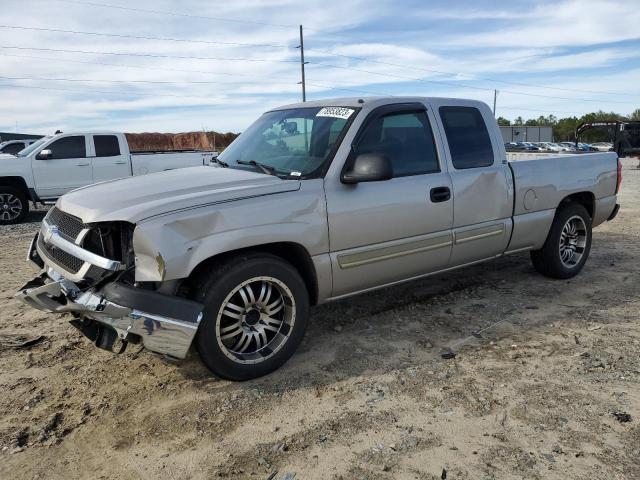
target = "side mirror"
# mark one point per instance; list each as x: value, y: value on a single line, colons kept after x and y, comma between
x: 368, y: 167
x: 45, y: 154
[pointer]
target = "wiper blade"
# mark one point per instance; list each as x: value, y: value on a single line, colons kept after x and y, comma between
x: 268, y: 169
x: 222, y: 163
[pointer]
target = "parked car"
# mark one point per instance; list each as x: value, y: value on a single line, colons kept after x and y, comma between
x: 603, y: 146
x: 54, y: 165
x: 314, y: 202
x: 552, y: 147
x: 14, y: 146
x: 569, y: 146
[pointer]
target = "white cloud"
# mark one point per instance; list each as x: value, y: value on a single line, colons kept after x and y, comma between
x: 519, y: 45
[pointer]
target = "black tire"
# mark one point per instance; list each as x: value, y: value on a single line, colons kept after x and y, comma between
x: 8, y: 197
x: 213, y: 292
x: 548, y: 260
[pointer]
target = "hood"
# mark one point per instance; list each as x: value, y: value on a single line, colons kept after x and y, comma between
x: 135, y: 199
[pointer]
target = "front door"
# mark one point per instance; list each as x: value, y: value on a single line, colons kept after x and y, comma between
x: 68, y: 167
x: 386, y: 231
x: 482, y: 188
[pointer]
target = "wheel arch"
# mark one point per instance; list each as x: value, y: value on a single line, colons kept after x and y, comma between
x: 291, y: 252
x: 586, y: 199
x: 19, y: 183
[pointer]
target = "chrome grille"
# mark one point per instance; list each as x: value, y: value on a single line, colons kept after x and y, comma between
x: 59, y: 257
x: 68, y: 225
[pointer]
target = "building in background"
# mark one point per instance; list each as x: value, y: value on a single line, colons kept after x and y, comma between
x: 520, y: 133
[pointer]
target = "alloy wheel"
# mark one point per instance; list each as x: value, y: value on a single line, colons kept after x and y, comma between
x: 255, y: 320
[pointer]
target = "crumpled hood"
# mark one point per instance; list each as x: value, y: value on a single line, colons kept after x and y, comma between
x: 134, y: 199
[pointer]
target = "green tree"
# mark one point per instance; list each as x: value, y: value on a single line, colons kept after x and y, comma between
x: 518, y: 121
x: 635, y: 115
x: 503, y: 122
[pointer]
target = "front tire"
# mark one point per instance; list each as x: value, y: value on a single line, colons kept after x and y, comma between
x: 14, y: 205
x: 568, y: 244
x: 255, y: 314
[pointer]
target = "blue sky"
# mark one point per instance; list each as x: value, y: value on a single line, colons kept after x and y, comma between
x: 565, y: 57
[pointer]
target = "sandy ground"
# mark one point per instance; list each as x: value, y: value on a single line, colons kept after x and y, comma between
x: 367, y: 396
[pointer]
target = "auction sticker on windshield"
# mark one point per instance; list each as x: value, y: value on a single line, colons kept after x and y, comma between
x: 335, y: 112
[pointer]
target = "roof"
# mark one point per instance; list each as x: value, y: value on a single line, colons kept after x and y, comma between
x: 369, y: 102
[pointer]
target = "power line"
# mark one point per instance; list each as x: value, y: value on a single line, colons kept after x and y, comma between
x: 150, y: 55
x: 538, y: 110
x: 424, y: 80
x: 102, y: 91
x: 399, y: 76
x: 176, y: 14
x: 204, y: 72
x: 161, y: 82
x: 442, y: 72
x: 143, y: 37
x: 187, y: 15
x: 367, y: 92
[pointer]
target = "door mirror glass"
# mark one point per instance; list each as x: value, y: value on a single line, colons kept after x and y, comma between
x: 45, y: 154
x: 368, y: 167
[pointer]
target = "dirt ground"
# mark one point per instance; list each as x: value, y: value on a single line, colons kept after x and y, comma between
x: 553, y: 391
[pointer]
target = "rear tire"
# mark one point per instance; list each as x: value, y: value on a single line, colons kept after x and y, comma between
x: 568, y: 243
x: 14, y: 205
x: 255, y: 314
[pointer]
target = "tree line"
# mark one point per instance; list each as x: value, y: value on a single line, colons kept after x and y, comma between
x: 564, y: 128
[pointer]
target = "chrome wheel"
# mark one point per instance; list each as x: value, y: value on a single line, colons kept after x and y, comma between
x: 10, y: 207
x: 573, y: 240
x: 255, y: 320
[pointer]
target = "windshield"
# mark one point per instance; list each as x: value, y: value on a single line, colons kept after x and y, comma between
x: 34, y: 146
x: 294, y: 142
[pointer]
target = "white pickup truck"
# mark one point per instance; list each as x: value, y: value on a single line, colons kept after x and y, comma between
x: 57, y: 164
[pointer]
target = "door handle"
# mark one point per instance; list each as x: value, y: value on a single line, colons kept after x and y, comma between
x: 83, y: 164
x: 440, y: 194
x: 120, y: 162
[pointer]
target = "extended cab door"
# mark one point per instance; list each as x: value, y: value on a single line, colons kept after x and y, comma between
x: 110, y: 158
x: 386, y: 231
x: 482, y: 184
x: 68, y: 167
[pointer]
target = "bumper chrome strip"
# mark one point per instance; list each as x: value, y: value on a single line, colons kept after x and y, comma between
x: 53, y: 293
x: 51, y: 236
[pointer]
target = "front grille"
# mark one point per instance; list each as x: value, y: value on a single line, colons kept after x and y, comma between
x: 68, y: 225
x: 59, y: 257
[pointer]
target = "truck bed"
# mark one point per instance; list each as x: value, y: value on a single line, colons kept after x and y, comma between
x: 541, y: 182
x: 150, y: 162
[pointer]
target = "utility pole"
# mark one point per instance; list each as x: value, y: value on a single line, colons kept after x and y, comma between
x: 495, y: 96
x: 302, y: 64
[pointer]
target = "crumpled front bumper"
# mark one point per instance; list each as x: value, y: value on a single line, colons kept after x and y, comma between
x: 163, y: 324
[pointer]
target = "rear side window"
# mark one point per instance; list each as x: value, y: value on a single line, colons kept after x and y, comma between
x: 106, y: 145
x: 468, y: 137
x: 68, y: 147
x: 404, y: 137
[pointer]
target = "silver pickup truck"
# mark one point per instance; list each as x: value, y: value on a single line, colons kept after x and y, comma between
x: 314, y: 202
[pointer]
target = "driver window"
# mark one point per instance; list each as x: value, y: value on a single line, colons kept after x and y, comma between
x: 406, y: 138
x: 68, y: 147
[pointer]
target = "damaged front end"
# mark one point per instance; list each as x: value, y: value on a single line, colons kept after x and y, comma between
x: 88, y: 271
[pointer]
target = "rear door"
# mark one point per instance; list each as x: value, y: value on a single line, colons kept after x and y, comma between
x: 69, y: 167
x: 110, y: 160
x: 386, y: 231
x: 482, y: 187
